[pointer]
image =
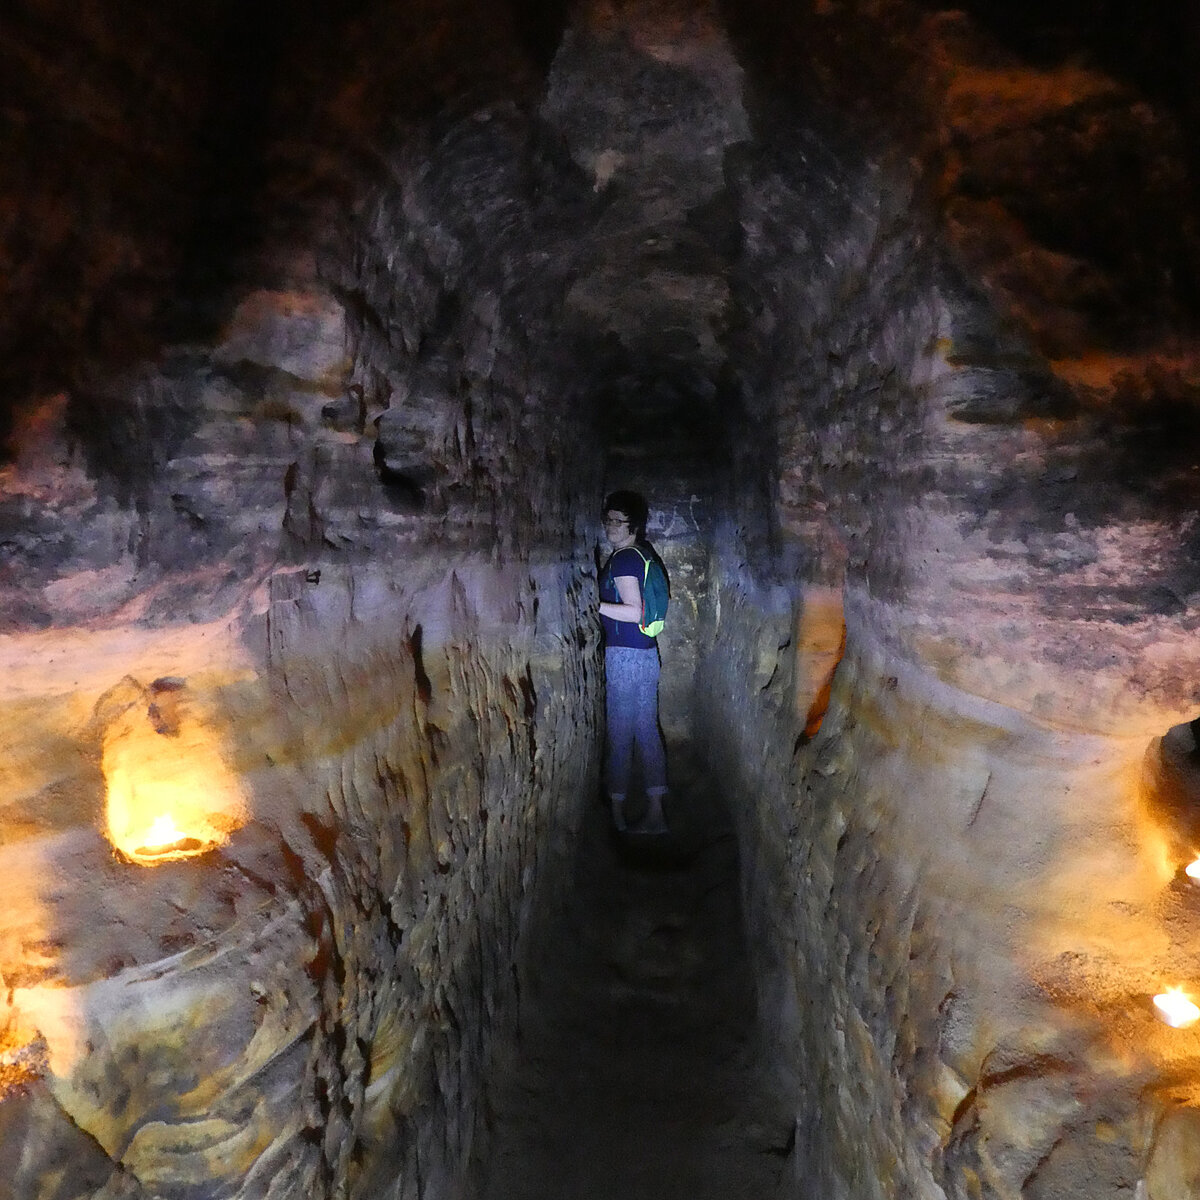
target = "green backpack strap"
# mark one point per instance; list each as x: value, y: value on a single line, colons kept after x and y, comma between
x: 654, y: 626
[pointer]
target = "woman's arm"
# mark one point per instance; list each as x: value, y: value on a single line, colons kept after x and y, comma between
x: 630, y: 608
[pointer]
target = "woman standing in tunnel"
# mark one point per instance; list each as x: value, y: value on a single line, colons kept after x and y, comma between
x: 631, y: 664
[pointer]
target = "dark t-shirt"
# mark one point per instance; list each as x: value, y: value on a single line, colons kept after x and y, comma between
x: 627, y: 562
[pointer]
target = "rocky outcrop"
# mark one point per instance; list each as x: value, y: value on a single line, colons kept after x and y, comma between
x: 960, y: 885
x: 224, y: 588
x: 312, y: 1003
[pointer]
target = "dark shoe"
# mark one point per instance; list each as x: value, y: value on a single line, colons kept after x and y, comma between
x: 648, y: 828
x: 654, y: 820
x: 618, y: 813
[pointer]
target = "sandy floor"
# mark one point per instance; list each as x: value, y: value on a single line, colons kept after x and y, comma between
x: 639, y: 1072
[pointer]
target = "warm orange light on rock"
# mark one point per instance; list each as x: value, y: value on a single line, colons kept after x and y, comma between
x: 170, y: 794
x: 1176, y: 1008
x: 165, y: 837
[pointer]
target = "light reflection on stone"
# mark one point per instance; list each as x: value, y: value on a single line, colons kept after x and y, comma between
x: 1176, y: 1009
x: 169, y: 792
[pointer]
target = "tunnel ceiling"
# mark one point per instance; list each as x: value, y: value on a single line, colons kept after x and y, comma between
x: 688, y: 236
x: 650, y: 128
x: 251, y: 137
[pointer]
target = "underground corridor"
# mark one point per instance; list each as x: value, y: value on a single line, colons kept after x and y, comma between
x: 324, y: 334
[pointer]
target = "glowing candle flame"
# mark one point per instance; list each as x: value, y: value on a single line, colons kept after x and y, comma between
x: 1192, y: 871
x: 1176, y: 1009
x: 164, y: 839
x: 162, y: 832
x: 168, y: 796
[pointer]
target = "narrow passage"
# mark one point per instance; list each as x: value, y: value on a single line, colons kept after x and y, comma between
x: 639, y: 1069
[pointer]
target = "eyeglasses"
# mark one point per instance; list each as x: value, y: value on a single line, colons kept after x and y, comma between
x: 610, y: 523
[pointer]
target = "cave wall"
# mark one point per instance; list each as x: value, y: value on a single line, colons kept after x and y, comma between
x: 1065, y: 184
x: 114, y: 143
x: 335, y: 557
x: 309, y: 1008
x: 331, y: 525
x: 961, y: 915
x: 941, y: 715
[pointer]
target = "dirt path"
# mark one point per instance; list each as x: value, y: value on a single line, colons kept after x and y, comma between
x: 636, y: 1075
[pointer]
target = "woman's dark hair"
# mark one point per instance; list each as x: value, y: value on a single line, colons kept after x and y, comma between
x: 633, y: 506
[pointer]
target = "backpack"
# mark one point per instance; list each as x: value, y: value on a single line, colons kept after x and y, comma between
x: 656, y: 594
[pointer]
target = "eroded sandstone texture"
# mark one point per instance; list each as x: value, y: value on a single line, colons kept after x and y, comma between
x: 357, y: 654
x: 409, y: 733
x: 894, y: 324
x: 965, y: 882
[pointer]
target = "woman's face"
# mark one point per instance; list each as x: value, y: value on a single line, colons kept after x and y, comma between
x: 616, y: 529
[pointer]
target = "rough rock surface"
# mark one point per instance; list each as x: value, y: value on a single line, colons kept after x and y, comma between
x: 642, y: 1070
x: 403, y: 684
x: 895, y: 325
